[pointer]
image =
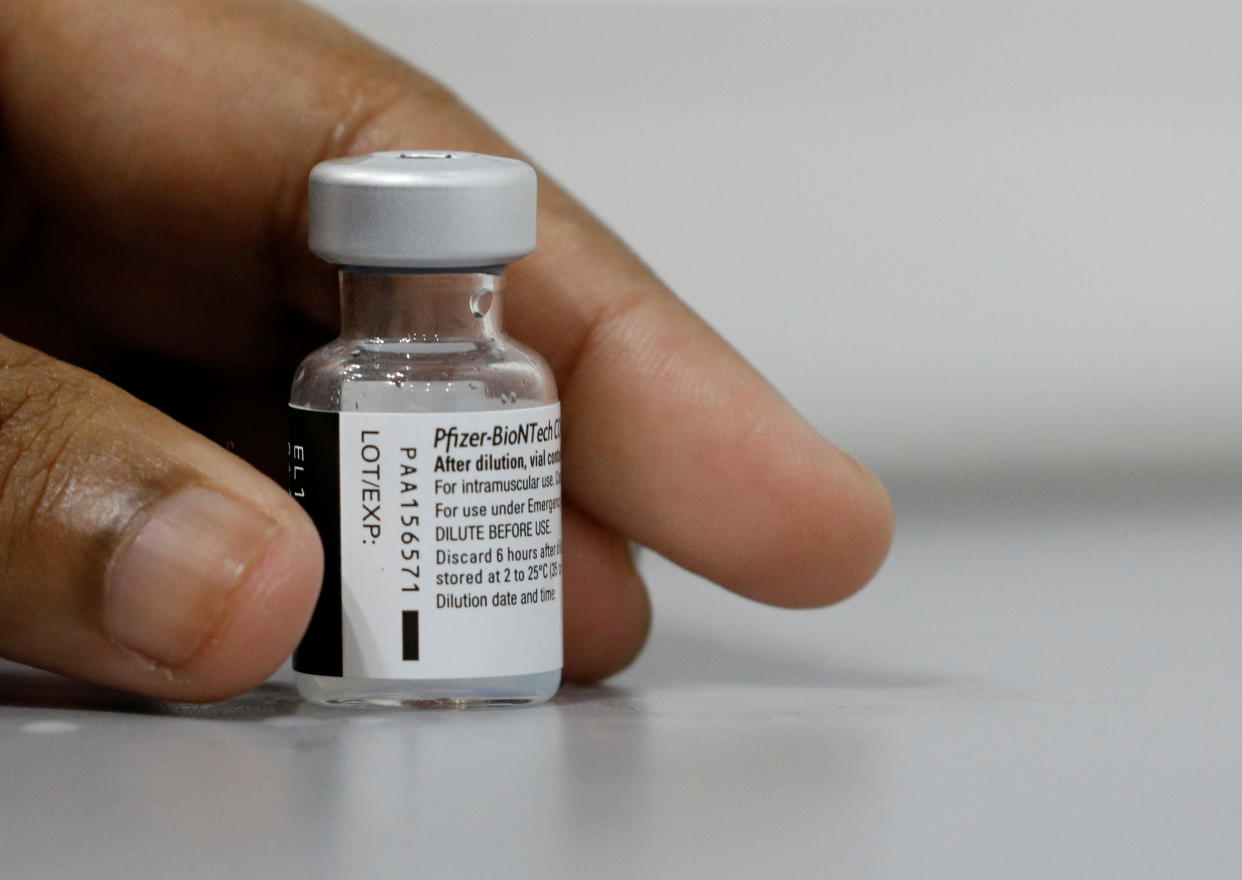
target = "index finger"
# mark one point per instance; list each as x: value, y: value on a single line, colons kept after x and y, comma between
x: 671, y: 437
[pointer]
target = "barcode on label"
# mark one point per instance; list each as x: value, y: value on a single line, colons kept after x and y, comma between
x: 409, y: 635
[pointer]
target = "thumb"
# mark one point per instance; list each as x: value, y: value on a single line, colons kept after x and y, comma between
x: 134, y: 552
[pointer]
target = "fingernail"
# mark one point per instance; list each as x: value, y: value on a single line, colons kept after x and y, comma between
x: 169, y: 581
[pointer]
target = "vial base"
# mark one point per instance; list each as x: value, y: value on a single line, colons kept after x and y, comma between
x: 444, y: 693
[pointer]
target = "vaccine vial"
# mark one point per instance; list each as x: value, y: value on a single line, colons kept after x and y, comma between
x: 425, y: 444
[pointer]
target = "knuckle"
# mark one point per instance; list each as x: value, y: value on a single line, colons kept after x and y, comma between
x: 43, y: 410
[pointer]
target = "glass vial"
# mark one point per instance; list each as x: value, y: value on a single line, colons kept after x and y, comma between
x: 425, y: 444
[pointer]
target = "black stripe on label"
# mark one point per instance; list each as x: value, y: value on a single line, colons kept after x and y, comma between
x: 409, y: 635
x: 314, y: 480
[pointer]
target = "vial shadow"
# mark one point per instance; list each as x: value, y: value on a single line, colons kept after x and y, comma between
x: 22, y: 687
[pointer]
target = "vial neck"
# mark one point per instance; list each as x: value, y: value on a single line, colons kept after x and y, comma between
x: 419, y: 306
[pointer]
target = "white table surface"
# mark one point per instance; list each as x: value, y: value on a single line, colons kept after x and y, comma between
x: 1041, y: 683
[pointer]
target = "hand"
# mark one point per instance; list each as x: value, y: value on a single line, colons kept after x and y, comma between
x: 153, y: 231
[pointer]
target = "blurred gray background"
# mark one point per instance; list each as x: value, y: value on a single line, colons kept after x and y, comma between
x: 966, y: 239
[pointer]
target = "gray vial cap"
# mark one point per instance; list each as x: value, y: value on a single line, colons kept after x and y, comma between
x: 422, y: 209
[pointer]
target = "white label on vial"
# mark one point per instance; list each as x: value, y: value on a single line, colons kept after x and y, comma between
x: 450, y: 543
